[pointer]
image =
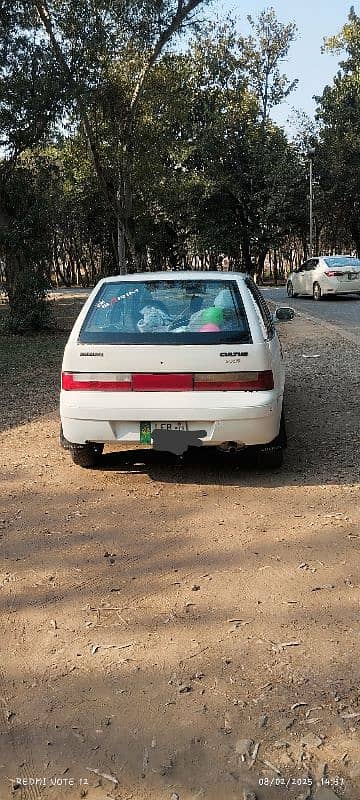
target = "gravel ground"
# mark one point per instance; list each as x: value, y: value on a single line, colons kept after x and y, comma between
x: 187, y: 630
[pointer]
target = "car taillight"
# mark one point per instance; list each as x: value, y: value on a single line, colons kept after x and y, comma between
x: 167, y: 382
x: 162, y: 382
x: 234, y: 381
x: 96, y: 382
x: 331, y: 273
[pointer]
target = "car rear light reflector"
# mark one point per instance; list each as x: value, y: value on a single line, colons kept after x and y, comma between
x: 331, y: 273
x: 167, y: 382
x: 96, y: 382
x: 162, y: 382
x: 234, y: 381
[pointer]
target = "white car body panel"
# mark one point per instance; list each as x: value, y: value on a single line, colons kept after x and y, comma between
x: 244, y: 417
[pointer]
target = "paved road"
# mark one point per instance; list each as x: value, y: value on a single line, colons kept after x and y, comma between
x: 341, y: 311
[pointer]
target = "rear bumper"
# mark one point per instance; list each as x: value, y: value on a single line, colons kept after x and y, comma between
x: 249, y: 418
x: 340, y: 288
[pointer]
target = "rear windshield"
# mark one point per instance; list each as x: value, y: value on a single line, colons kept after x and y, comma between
x: 166, y: 312
x: 340, y: 261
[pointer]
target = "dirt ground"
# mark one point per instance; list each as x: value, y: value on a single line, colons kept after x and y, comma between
x: 188, y: 630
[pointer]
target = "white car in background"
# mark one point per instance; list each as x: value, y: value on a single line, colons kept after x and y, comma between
x: 174, y: 360
x: 325, y: 275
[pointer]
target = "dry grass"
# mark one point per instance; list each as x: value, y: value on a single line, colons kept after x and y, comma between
x: 30, y: 366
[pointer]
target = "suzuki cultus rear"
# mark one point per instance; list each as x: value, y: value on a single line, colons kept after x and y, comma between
x: 195, y: 357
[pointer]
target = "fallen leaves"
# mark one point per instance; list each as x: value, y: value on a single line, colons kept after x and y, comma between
x: 321, y: 588
x: 281, y: 645
x: 247, y: 750
x: 106, y: 775
x: 96, y: 647
x: 311, y: 740
x: 226, y: 728
x: 145, y: 762
x: 185, y: 688
x: 271, y: 766
x: 351, y: 715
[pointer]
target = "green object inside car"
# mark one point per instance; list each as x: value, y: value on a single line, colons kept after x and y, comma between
x: 213, y: 314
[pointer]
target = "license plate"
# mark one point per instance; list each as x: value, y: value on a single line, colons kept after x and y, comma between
x: 147, y: 427
x: 352, y: 276
x: 170, y: 426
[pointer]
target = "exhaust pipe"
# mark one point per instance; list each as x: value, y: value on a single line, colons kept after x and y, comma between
x: 230, y: 447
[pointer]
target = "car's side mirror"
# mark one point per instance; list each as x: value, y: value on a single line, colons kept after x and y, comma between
x: 283, y: 314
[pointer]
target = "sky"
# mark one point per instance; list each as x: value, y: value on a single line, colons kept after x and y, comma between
x: 315, y: 19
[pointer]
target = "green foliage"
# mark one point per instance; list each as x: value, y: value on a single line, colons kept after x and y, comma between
x: 262, y: 53
x: 29, y: 310
x: 25, y: 204
x: 338, y: 147
x: 235, y: 184
x: 348, y: 41
x: 167, y: 152
x: 31, y: 91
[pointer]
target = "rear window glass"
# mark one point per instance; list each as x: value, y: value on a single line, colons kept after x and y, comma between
x: 166, y: 312
x: 338, y: 261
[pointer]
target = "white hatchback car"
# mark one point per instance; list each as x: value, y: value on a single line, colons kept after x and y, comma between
x: 325, y: 275
x: 174, y: 360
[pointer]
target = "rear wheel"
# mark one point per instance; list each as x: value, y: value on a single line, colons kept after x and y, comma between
x: 83, y: 455
x: 271, y: 459
x: 290, y: 290
x: 317, y: 294
x: 271, y: 455
x: 86, y: 455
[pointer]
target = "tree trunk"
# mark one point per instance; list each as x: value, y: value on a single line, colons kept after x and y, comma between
x: 59, y: 273
x: 276, y: 274
x: 92, y: 266
x: 121, y: 250
x: 270, y: 265
x: 260, y: 266
x: 246, y: 257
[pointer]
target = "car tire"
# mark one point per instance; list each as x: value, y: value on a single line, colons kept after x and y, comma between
x: 83, y: 455
x: 271, y: 455
x: 270, y: 459
x: 86, y: 455
x: 290, y: 290
x: 317, y: 294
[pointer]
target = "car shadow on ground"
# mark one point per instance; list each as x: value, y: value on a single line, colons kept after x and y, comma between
x: 206, y: 466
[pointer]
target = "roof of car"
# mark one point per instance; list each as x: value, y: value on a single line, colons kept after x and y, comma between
x: 177, y: 275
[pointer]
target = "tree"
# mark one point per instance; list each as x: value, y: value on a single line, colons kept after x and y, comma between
x: 253, y: 179
x: 262, y: 54
x: 178, y: 143
x: 25, y: 238
x: 114, y: 28
x: 338, y: 150
x: 63, y: 64
x: 30, y: 99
